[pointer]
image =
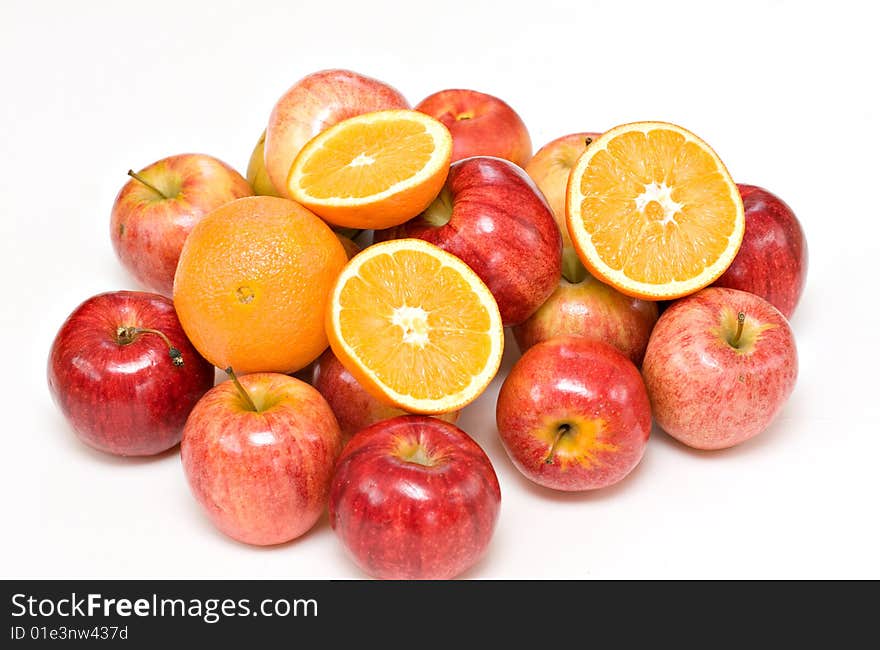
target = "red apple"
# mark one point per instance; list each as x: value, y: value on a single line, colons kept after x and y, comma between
x: 772, y: 260
x: 258, y: 454
x: 352, y: 405
x: 414, y: 498
x: 550, y: 168
x: 315, y: 103
x: 156, y: 210
x: 574, y: 415
x: 591, y: 309
x: 719, y: 367
x: 124, y: 374
x: 480, y: 124
x: 491, y: 215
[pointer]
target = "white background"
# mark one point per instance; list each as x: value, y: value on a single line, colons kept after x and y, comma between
x: 786, y: 93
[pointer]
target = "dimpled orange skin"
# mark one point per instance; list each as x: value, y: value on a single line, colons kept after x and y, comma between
x: 253, y: 282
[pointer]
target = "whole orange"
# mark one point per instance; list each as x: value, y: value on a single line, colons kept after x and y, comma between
x: 252, y: 285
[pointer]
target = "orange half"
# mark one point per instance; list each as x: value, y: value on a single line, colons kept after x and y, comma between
x: 652, y: 211
x: 374, y: 170
x: 415, y: 326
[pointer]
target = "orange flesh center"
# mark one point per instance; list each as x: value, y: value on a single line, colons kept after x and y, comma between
x: 416, y: 324
x: 366, y: 159
x: 657, y: 206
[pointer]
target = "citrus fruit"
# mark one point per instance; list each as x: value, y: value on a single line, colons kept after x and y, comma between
x: 415, y: 326
x: 374, y: 170
x: 652, y: 211
x: 252, y: 285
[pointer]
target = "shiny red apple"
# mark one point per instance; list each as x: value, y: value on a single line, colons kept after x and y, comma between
x: 720, y: 365
x: 124, y: 374
x: 480, y: 124
x: 354, y: 407
x: 550, y: 168
x: 573, y: 414
x: 156, y: 210
x: 414, y: 498
x: 311, y: 105
x: 594, y: 310
x: 258, y: 453
x: 491, y: 215
x: 772, y: 260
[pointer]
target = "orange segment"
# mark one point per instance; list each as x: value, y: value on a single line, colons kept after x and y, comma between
x: 375, y: 170
x: 415, y: 326
x: 653, y: 212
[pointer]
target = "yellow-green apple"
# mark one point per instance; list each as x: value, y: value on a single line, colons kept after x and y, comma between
x: 491, y: 215
x: 259, y: 179
x: 480, y: 124
x: 591, y: 309
x: 414, y: 497
x: 315, y: 103
x: 353, y: 406
x: 719, y: 367
x: 156, y: 210
x: 573, y: 414
x: 124, y: 374
x: 257, y: 175
x: 550, y: 168
x: 772, y: 260
x: 258, y: 453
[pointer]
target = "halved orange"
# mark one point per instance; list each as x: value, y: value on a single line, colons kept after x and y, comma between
x: 652, y: 211
x: 415, y: 326
x: 374, y: 170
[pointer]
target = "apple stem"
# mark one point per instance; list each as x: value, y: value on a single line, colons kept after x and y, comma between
x: 588, y: 141
x: 241, y: 390
x: 560, y: 433
x: 126, y: 335
x: 740, y: 320
x: 150, y: 185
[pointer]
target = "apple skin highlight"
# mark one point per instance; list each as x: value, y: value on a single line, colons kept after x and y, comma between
x: 491, y: 215
x: 355, y: 408
x: 773, y: 258
x: 414, y: 498
x: 150, y: 223
x: 262, y: 477
x: 594, y: 310
x: 706, y: 392
x: 314, y: 103
x: 481, y: 125
x: 573, y: 414
x: 122, y: 394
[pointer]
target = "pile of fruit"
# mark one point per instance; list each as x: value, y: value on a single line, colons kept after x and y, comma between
x: 356, y: 288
